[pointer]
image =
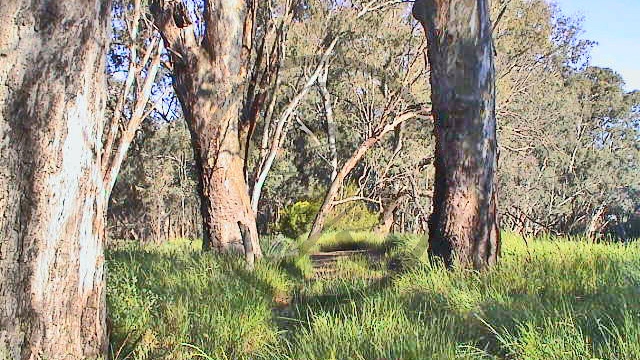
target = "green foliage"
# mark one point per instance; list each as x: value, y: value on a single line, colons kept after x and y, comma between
x: 162, y: 298
x: 567, y: 130
x: 155, y: 195
x: 296, y: 219
x: 548, y: 299
x: 355, y: 216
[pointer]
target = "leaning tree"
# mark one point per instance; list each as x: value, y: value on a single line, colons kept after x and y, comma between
x: 52, y: 97
x: 463, y: 228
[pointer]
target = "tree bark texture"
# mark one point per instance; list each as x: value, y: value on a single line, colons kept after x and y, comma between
x: 463, y: 227
x: 209, y: 78
x: 52, y: 100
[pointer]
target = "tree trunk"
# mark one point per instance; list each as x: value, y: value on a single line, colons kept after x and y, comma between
x: 52, y: 99
x: 331, y: 123
x: 336, y: 185
x: 463, y: 228
x: 209, y: 81
x: 280, y: 133
x: 115, y: 153
x: 596, y: 224
x: 387, y: 218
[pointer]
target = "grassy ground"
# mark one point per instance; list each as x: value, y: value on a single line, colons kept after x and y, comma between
x: 550, y: 299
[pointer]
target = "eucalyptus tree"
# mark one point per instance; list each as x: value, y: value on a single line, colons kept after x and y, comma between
x: 566, y: 129
x: 52, y: 100
x: 155, y: 197
x: 209, y: 57
x: 463, y: 228
x: 365, y: 92
x: 137, y: 52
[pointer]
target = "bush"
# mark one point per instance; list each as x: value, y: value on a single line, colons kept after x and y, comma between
x: 296, y: 219
x: 354, y: 216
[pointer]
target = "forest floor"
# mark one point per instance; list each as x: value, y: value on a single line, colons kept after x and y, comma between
x: 359, y: 296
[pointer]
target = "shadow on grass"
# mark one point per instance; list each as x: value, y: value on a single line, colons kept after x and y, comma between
x: 503, y: 313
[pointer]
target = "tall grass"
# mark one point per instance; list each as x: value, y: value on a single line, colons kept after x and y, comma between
x: 547, y: 299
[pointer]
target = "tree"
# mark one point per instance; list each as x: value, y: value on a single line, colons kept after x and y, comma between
x: 567, y: 131
x: 463, y: 228
x: 130, y: 110
x: 387, y: 123
x: 279, y: 133
x: 155, y: 197
x: 52, y: 97
x: 209, y: 78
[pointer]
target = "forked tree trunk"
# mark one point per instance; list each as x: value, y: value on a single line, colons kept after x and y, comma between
x: 209, y: 81
x: 52, y: 87
x: 463, y: 228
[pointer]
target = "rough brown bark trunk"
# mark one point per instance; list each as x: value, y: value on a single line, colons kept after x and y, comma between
x: 52, y: 88
x: 463, y: 228
x: 209, y: 77
x: 387, y: 217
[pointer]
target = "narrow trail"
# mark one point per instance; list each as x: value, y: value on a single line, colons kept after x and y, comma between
x: 325, y: 263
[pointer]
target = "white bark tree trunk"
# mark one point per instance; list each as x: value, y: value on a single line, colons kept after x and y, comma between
x: 52, y: 99
x: 331, y: 122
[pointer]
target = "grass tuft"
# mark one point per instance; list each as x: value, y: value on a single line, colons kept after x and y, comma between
x: 547, y: 299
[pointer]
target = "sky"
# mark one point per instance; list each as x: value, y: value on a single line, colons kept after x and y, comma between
x: 615, y: 26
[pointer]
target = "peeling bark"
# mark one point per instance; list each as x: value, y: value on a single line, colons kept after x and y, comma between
x: 463, y: 228
x: 52, y: 100
x: 209, y: 81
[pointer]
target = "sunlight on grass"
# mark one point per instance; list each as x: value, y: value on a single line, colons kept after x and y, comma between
x: 547, y: 299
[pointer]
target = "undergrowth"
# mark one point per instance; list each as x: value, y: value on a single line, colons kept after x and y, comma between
x: 547, y: 299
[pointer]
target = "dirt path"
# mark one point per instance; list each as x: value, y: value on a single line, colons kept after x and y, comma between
x: 325, y: 263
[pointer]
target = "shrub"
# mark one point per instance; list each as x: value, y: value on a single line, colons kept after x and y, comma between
x: 355, y: 216
x: 296, y: 219
x: 352, y: 216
